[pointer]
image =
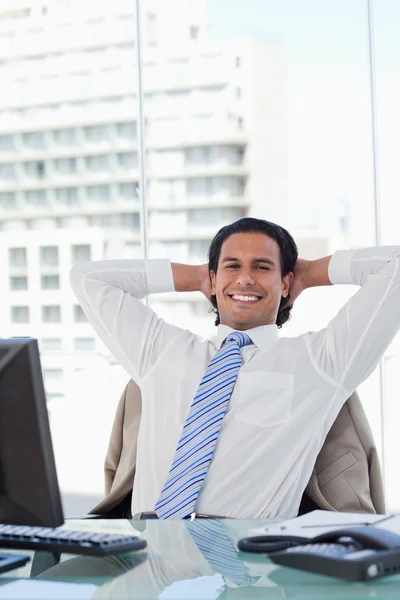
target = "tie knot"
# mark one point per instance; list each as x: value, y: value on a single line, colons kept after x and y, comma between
x: 242, y: 339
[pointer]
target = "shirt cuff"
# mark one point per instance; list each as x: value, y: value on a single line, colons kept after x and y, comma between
x: 159, y: 275
x: 339, y: 267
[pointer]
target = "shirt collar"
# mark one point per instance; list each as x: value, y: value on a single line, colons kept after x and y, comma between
x: 263, y: 337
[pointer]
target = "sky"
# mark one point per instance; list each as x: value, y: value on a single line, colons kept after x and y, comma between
x: 329, y: 102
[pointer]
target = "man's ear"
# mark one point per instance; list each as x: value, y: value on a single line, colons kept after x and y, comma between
x: 213, y: 283
x: 286, y: 283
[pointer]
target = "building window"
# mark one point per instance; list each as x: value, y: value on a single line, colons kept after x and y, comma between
x: 65, y: 166
x: 65, y: 137
x: 8, y: 200
x: 7, y: 172
x: 80, y: 253
x: 86, y: 344
x: 97, y: 163
x: 79, y: 315
x: 67, y: 195
x: 127, y: 190
x: 18, y: 283
x: 51, y: 344
x: 20, y: 314
x: 127, y: 131
x: 98, y: 192
x: 50, y: 282
x: 127, y: 160
x: 17, y: 257
x: 36, y: 197
x: 34, y: 140
x: 49, y: 256
x: 7, y: 143
x: 35, y: 169
x: 53, y: 374
x: 97, y: 133
x: 51, y: 314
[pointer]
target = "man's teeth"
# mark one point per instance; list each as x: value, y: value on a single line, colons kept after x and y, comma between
x: 245, y: 298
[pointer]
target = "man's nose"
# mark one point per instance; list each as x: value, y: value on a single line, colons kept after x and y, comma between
x: 245, y: 277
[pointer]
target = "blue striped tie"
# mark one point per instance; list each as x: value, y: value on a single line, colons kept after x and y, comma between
x: 200, y: 432
x: 219, y: 551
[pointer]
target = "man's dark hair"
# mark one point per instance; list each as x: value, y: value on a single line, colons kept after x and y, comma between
x: 287, y: 247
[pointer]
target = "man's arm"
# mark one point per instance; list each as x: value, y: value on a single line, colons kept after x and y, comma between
x: 110, y: 293
x: 350, y: 347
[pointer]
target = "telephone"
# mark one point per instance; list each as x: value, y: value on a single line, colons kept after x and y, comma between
x: 355, y: 553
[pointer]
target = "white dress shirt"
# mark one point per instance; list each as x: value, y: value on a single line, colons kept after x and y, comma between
x: 287, y: 395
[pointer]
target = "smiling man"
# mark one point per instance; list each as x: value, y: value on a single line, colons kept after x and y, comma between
x: 232, y: 427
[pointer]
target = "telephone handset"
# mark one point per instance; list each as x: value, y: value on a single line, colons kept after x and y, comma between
x: 355, y: 553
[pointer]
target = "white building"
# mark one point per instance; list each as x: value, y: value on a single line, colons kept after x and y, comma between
x: 215, y: 131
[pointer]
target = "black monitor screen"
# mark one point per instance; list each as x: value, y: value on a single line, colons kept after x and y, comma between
x: 29, y: 492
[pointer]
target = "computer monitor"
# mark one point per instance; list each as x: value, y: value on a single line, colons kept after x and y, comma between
x: 29, y: 492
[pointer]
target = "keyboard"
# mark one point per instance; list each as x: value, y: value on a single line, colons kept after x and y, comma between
x: 64, y: 540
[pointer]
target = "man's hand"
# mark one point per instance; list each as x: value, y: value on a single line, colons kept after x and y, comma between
x: 307, y: 274
x: 205, y: 285
x: 299, y: 283
x: 192, y: 278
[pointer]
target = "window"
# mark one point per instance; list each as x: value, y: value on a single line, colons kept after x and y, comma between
x: 97, y: 163
x: 51, y: 314
x: 36, y: 197
x: 50, y: 282
x: 200, y: 155
x: 7, y: 143
x: 17, y: 257
x: 198, y: 250
x: 87, y: 344
x: 79, y: 315
x: 49, y: 256
x: 98, y: 192
x: 20, y: 314
x: 53, y: 374
x: 106, y: 220
x: 35, y: 169
x: 127, y: 131
x: 200, y: 186
x: 127, y: 160
x: 65, y: 137
x: 7, y: 200
x: 66, y: 165
x: 97, y: 133
x: 80, y: 253
x: 18, y: 283
x: 34, y: 140
x: 131, y: 221
x: 67, y: 195
x: 7, y: 172
x: 51, y: 344
x: 127, y: 190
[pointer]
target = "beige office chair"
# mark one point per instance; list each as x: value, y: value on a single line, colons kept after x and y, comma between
x: 346, y: 477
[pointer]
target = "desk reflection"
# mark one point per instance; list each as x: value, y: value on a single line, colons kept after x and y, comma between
x: 197, y: 560
x: 183, y: 560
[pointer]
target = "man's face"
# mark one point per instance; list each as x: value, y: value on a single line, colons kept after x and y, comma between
x: 248, y: 283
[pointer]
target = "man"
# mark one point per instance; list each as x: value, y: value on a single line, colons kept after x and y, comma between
x: 232, y: 427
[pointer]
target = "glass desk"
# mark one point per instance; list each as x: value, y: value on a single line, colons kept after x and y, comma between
x: 179, y: 563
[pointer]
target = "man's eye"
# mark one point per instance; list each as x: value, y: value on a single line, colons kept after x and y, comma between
x: 232, y: 266
x: 263, y: 268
